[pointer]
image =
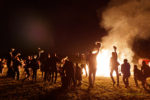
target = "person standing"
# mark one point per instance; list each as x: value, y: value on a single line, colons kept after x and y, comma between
x: 92, y: 60
x: 69, y: 70
x: 114, y: 66
x: 78, y: 74
x: 9, y: 58
x: 53, y: 61
x: 145, y: 69
x: 27, y: 66
x: 16, y: 64
x: 43, y: 65
x: 83, y: 63
x: 1, y: 65
x: 34, y: 66
x: 125, y: 69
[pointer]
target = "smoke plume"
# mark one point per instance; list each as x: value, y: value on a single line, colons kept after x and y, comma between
x: 125, y: 20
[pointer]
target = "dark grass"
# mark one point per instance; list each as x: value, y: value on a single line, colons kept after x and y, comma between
x: 103, y: 90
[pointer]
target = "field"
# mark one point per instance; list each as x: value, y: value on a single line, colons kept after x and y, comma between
x: 39, y: 90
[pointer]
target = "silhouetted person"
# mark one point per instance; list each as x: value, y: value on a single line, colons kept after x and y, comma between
x: 10, y: 62
x: 48, y: 68
x: 44, y: 65
x: 138, y: 75
x: 1, y: 65
x: 27, y: 66
x: 114, y: 66
x: 34, y: 66
x: 53, y: 61
x: 92, y: 60
x: 69, y: 70
x: 83, y: 63
x: 16, y: 64
x: 145, y: 69
x: 78, y: 74
x: 125, y: 69
x: 64, y: 82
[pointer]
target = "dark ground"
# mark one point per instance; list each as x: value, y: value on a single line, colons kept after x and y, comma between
x: 103, y: 90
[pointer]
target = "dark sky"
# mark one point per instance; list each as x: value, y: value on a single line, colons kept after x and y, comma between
x: 69, y: 26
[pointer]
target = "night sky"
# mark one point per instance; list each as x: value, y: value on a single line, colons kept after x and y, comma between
x: 71, y: 26
x: 65, y: 27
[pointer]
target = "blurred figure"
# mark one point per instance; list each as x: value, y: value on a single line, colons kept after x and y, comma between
x: 138, y: 75
x: 1, y: 65
x: 81, y: 59
x: 78, y: 74
x: 114, y: 66
x: 83, y: 63
x: 27, y: 66
x: 53, y: 61
x: 10, y: 62
x: 125, y: 69
x: 93, y: 65
x: 34, y: 66
x: 69, y: 71
x: 145, y: 69
x: 16, y: 64
x: 64, y: 83
x: 46, y: 66
x: 43, y: 65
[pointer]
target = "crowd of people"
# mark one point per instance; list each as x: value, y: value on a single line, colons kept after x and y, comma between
x: 70, y: 71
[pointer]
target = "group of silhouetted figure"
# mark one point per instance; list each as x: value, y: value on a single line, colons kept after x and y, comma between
x: 70, y: 71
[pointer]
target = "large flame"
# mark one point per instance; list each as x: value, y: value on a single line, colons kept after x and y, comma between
x: 103, y: 63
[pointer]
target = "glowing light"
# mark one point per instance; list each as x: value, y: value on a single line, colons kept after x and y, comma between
x: 103, y: 63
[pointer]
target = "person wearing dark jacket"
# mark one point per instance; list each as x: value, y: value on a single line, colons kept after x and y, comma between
x: 16, y: 64
x: 43, y: 65
x: 9, y: 58
x: 145, y: 69
x: 78, y: 74
x: 138, y: 75
x: 69, y: 70
x: 1, y: 65
x: 125, y: 69
x: 53, y: 61
x: 34, y: 66
x: 27, y: 66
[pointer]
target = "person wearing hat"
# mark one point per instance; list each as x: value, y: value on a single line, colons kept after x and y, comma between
x: 125, y: 69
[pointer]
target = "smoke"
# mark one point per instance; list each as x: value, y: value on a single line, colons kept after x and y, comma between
x: 125, y: 20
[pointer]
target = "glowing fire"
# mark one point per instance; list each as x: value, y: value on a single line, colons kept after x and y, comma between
x: 103, y: 63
